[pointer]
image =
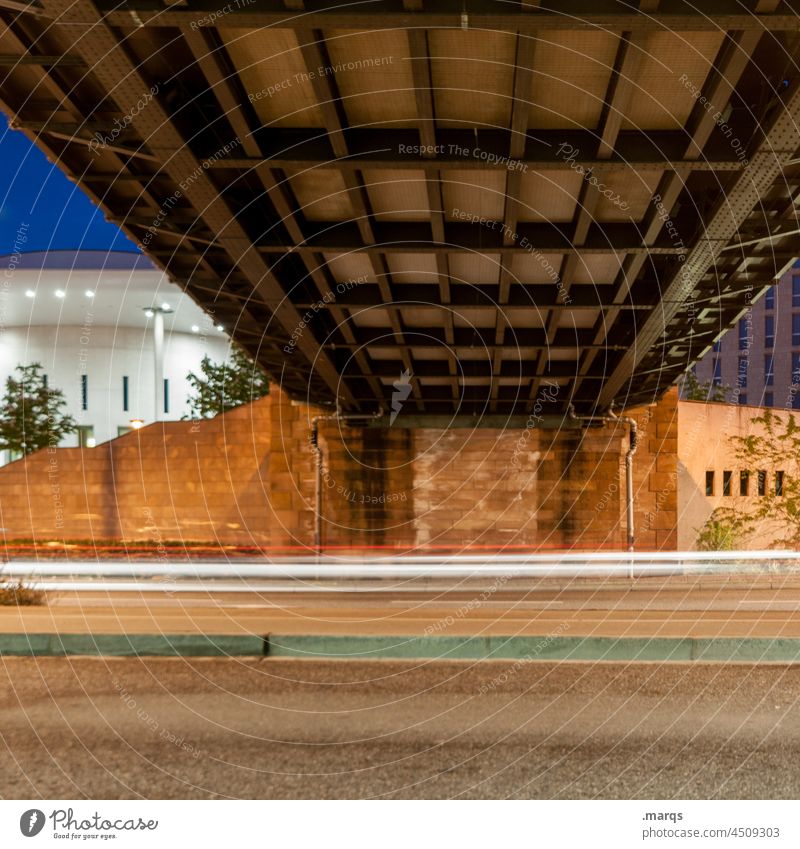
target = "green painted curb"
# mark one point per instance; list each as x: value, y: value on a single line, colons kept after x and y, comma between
x: 130, y: 645
x: 543, y: 648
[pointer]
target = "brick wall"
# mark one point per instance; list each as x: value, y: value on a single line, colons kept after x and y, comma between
x: 248, y: 478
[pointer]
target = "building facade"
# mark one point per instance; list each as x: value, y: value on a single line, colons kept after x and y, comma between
x: 759, y: 359
x: 88, y: 318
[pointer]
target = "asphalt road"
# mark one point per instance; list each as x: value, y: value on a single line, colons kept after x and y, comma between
x: 266, y: 728
x: 767, y: 606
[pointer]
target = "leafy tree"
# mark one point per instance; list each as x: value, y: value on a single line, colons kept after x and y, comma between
x: 32, y: 416
x: 693, y: 390
x: 775, y: 447
x: 223, y: 386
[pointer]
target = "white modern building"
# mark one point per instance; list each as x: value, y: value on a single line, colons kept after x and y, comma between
x: 110, y: 330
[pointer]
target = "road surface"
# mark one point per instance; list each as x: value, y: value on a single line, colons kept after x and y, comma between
x: 266, y: 728
x: 767, y: 606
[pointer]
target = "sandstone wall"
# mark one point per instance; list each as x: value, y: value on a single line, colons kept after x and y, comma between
x: 247, y: 478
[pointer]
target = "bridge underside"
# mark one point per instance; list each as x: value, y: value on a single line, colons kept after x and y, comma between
x: 468, y: 204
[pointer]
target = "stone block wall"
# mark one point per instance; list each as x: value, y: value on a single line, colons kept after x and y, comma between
x: 247, y: 478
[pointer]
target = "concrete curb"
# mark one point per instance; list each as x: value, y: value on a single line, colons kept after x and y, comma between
x: 542, y: 648
x: 130, y: 645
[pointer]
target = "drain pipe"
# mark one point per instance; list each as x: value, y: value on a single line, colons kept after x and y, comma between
x: 320, y: 464
x: 612, y: 417
x: 632, y: 446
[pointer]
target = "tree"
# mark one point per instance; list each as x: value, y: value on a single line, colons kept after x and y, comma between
x: 223, y: 386
x: 693, y: 390
x: 771, y: 457
x: 32, y: 416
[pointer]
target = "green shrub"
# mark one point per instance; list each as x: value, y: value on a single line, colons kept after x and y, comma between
x: 718, y: 535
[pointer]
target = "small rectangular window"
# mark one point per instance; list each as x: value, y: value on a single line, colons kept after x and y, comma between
x: 778, y: 483
x: 84, y: 391
x: 718, y: 346
x: 726, y: 483
x: 769, y: 299
x: 709, y: 483
x: 796, y: 329
x: 166, y: 395
x: 769, y: 374
x: 717, y: 379
x: 125, y: 398
x: 744, y: 483
x: 769, y: 331
x: 796, y: 291
x: 768, y: 399
x: 762, y: 482
x: 742, y: 398
x: 743, y: 334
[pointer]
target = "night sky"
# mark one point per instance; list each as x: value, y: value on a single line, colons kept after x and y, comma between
x: 34, y: 192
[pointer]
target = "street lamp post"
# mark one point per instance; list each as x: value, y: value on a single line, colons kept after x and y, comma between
x: 157, y: 314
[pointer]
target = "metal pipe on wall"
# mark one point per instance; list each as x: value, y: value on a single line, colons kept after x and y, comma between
x: 632, y: 446
x: 320, y: 466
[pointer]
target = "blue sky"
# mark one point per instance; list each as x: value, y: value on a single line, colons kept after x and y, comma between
x: 58, y: 214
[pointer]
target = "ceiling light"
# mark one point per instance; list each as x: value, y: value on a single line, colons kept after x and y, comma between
x: 220, y: 328
x: 60, y: 293
x: 29, y: 293
x: 89, y: 293
x: 149, y: 313
x: 165, y: 306
x: 195, y: 328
